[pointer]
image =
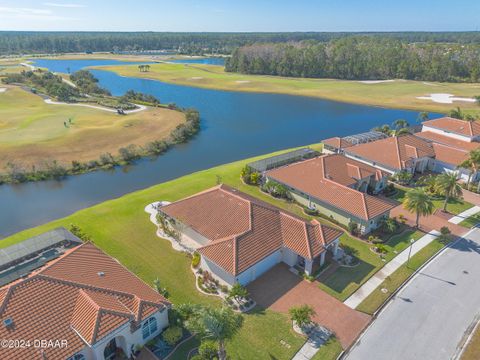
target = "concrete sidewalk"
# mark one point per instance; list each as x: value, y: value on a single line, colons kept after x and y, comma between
x: 464, y: 215
x: 366, y: 289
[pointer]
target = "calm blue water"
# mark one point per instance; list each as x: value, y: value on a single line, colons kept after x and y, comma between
x: 235, y: 125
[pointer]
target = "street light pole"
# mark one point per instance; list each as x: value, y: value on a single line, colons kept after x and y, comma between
x: 410, y: 252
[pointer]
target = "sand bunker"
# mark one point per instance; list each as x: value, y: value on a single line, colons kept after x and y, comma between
x: 375, y: 81
x: 242, y: 81
x: 3, y: 90
x: 197, y: 78
x: 445, y: 98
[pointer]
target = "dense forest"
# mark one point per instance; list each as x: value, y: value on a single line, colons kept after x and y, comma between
x: 15, y: 42
x: 360, y: 58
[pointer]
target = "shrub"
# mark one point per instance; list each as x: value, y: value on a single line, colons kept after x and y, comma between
x: 381, y: 249
x: 224, y: 289
x: 208, y: 350
x: 311, y: 212
x: 353, y: 228
x: 172, y: 335
x: 195, y: 260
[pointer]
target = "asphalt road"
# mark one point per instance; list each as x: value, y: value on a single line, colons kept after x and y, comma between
x: 428, y: 319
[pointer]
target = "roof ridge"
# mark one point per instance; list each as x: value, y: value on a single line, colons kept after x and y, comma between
x: 309, y: 247
x: 398, y: 151
x: 353, y: 191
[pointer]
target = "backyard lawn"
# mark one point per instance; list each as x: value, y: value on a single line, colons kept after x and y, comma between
x: 392, y: 282
x: 455, y: 206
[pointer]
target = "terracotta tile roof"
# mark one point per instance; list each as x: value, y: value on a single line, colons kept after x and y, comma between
x: 393, y: 152
x: 457, y: 126
x: 310, y: 177
x: 449, y: 141
x: 449, y: 155
x: 337, y: 142
x: 269, y: 228
x: 69, y: 300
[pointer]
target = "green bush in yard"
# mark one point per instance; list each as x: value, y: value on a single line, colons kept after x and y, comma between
x: 172, y: 335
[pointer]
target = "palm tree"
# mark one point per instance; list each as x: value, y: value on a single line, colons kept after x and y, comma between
x: 417, y: 201
x: 400, y: 124
x: 383, y: 129
x: 456, y: 113
x: 423, y: 116
x: 215, y: 323
x: 449, y: 187
x: 472, y: 163
x: 402, y: 131
x: 302, y: 315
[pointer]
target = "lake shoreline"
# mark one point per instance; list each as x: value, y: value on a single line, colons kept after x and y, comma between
x: 413, y: 104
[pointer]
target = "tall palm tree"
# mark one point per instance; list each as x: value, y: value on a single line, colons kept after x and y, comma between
x: 423, y: 116
x: 400, y: 124
x: 472, y: 163
x: 215, y: 323
x: 449, y: 187
x: 417, y: 201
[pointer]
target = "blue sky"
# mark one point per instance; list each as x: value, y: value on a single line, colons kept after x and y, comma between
x: 240, y: 15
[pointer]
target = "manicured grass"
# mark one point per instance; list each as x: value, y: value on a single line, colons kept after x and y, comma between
x: 473, y: 348
x: 329, y: 351
x: 122, y: 229
x: 471, y: 221
x: 32, y: 131
x: 454, y: 206
x: 394, y: 281
x: 346, y: 280
x: 396, y: 94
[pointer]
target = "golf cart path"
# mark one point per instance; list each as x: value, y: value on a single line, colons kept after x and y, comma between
x: 140, y: 107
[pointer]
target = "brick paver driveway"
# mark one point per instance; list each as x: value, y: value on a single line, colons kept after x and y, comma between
x: 279, y: 290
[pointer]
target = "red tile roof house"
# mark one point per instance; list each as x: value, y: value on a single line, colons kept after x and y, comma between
x: 240, y: 237
x: 407, y: 152
x: 452, y: 139
x: 86, y: 303
x: 336, y: 186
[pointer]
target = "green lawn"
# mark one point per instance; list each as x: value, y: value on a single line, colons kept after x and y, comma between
x: 454, y: 206
x: 394, y: 281
x: 471, y: 221
x: 329, y: 351
x: 346, y: 280
x: 396, y: 94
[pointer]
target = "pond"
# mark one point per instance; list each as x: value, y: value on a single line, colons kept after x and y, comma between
x: 234, y: 126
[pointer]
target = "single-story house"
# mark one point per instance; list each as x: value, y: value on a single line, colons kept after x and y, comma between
x: 240, y: 237
x: 85, y: 303
x: 463, y: 130
x: 338, y: 187
x: 394, y: 154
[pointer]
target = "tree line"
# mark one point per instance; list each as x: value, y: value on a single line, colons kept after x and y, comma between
x: 360, y: 58
x: 24, y: 42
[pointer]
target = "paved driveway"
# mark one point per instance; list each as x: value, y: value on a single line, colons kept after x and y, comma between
x: 429, y: 317
x: 279, y: 290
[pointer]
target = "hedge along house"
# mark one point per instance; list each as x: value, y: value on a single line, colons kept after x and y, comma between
x: 394, y: 154
x: 337, y: 187
x: 240, y: 237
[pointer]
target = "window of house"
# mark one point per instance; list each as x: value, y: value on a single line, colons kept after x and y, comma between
x: 149, y: 327
x: 77, y: 357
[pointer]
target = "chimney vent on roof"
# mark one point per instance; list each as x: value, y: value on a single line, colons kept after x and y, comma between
x: 8, y: 322
x: 101, y: 273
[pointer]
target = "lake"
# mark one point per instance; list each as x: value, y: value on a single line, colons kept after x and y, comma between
x: 234, y: 125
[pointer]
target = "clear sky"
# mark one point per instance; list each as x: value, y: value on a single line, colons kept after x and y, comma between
x: 240, y: 15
